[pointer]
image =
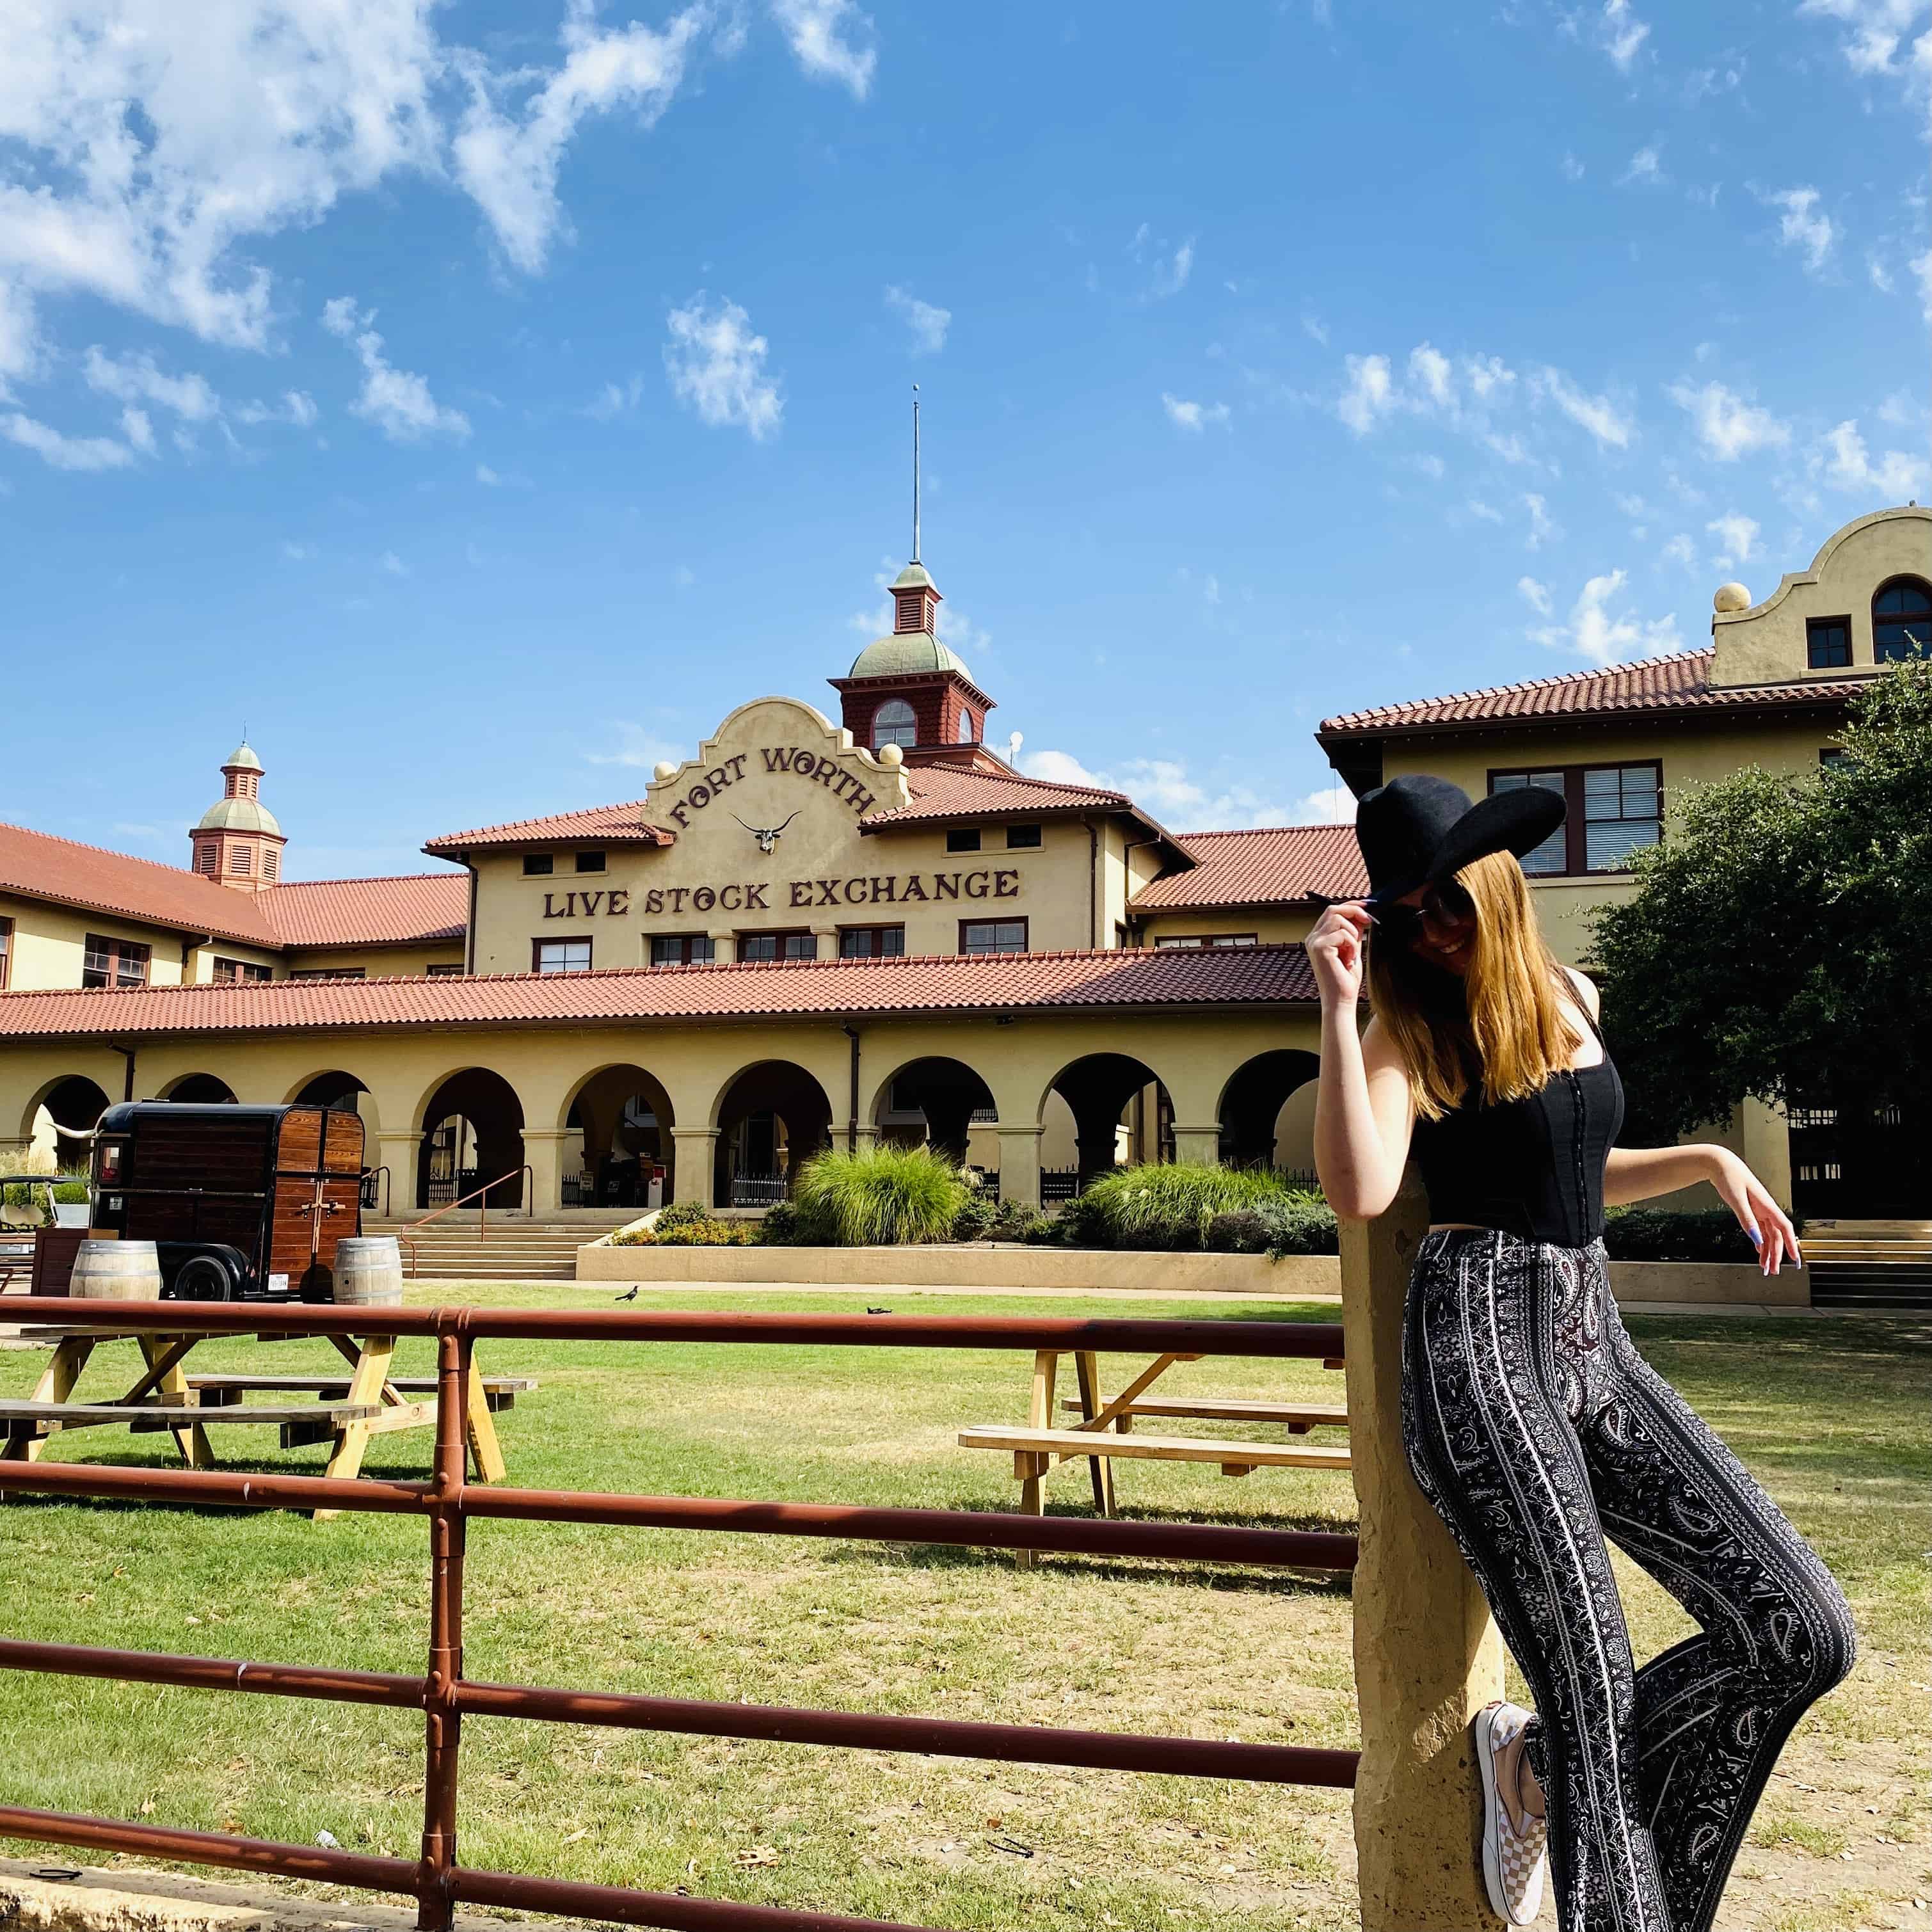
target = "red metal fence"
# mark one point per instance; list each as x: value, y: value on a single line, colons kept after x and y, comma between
x: 437, y: 1880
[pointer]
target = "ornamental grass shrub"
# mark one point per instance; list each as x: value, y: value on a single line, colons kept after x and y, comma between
x: 1221, y: 1210
x: 886, y: 1197
x: 1656, y: 1234
x: 686, y: 1224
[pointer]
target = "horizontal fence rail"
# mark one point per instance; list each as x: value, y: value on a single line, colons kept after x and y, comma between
x: 437, y: 1880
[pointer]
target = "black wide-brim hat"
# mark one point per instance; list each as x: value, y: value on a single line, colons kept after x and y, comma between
x: 1419, y: 830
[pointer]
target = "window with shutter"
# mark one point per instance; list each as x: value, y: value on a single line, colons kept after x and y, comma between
x: 240, y: 859
x: 271, y: 862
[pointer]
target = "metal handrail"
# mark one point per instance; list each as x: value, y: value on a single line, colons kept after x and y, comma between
x: 369, y: 1175
x: 438, y: 1880
x: 482, y: 1209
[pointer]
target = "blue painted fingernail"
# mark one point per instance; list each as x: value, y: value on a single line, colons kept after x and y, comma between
x: 1751, y: 1228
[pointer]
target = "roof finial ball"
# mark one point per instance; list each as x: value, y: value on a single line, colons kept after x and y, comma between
x: 1730, y: 597
x: 891, y: 756
x: 663, y: 770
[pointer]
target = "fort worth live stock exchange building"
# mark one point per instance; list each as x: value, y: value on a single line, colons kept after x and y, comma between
x: 811, y: 934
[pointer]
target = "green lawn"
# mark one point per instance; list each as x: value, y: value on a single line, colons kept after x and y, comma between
x: 1830, y: 1414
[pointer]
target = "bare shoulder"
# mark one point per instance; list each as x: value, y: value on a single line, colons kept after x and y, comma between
x: 1379, y: 1047
x: 1585, y: 990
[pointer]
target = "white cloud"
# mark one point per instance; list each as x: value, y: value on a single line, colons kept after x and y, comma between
x: 1921, y: 267
x: 136, y: 427
x: 65, y: 452
x: 1901, y: 408
x: 1193, y: 417
x: 1370, y: 394
x: 1488, y: 376
x: 1542, y: 526
x: 1597, y: 414
x: 394, y: 565
x: 1315, y: 329
x: 717, y: 365
x: 396, y: 400
x: 1681, y: 550
x: 1603, y: 635
x: 1165, y: 787
x: 928, y: 324
x: 1620, y: 34
x: 817, y: 30
x: 1488, y: 514
x: 487, y: 477
x: 616, y: 399
x: 1430, y: 465
x: 1430, y: 367
x: 1645, y: 169
x: 1841, y: 458
x: 1334, y: 805
x: 297, y: 406
x: 135, y: 378
x: 1726, y: 425
x: 1168, y: 273
x: 1877, y: 29
x: 1803, y: 226
x: 1738, y: 535
x: 1535, y: 595
x: 295, y: 553
x: 1881, y: 275
x: 640, y: 744
x: 1509, y: 448
x: 1573, y: 169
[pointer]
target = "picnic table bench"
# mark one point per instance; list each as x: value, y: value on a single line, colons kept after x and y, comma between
x: 1105, y: 1432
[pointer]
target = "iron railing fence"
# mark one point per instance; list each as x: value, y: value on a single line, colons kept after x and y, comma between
x: 437, y: 1880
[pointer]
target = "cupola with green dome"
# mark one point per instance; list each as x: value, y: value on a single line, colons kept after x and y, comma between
x: 237, y: 841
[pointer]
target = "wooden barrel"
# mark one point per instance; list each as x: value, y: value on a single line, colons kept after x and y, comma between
x: 116, y: 1271
x: 369, y: 1271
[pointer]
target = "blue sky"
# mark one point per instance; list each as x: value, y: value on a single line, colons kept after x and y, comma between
x: 477, y: 401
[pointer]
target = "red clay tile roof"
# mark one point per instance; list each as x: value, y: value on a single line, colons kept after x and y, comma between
x: 1651, y: 684
x: 798, y: 989
x: 43, y: 867
x: 943, y: 791
x: 1279, y: 865
x: 622, y: 824
x: 412, y: 909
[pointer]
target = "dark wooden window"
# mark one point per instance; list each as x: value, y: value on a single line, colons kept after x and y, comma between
x: 242, y: 971
x: 1902, y: 621
x: 446, y: 971
x: 334, y: 973
x: 114, y: 962
x: 992, y: 935
x: 768, y: 946
x: 1833, y: 758
x: 539, y: 865
x: 1023, y: 838
x: 590, y: 862
x: 6, y: 951
x: 1182, y: 942
x: 895, y: 723
x: 683, y: 948
x: 1828, y: 643
x: 1614, y: 810
x: 560, y: 955
x: 871, y: 942
x: 963, y: 839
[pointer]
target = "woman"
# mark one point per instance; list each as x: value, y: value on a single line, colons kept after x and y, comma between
x: 1531, y: 1424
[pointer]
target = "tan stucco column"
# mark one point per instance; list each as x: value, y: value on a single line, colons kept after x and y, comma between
x: 1197, y: 1147
x: 1766, y: 1138
x: 827, y: 939
x: 864, y: 1135
x: 724, y: 947
x: 1427, y: 1656
x: 1019, y: 1164
x: 697, y: 1162
x: 543, y: 1148
x: 399, y: 1153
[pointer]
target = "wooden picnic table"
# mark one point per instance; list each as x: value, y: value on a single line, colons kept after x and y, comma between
x: 345, y: 1411
x: 1037, y: 1447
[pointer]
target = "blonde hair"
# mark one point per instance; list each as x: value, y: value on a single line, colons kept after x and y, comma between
x: 1501, y: 1025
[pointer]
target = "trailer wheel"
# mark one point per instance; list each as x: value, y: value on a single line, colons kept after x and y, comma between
x: 204, y: 1278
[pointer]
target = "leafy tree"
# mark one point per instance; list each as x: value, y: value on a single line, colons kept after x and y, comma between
x: 1779, y: 943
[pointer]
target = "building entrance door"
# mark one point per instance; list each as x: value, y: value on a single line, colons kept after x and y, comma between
x: 1852, y: 1161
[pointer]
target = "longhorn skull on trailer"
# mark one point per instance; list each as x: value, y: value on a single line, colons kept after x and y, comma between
x: 767, y: 835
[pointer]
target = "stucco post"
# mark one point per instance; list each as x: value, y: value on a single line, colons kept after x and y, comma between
x: 1427, y: 1656
x: 543, y: 1149
x: 697, y: 1157
x: 399, y: 1153
x: 1196, y: 1147
x: 1766, y: 1134
x: 723, y: 946
x: 1019, y: 1164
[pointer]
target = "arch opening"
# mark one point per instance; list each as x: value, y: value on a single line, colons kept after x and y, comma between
x: 201, y: 1090
x: 772, y: 1119
x: 1123, y: 1115
x: 624, y: 1156
x: 472, y: 1136
x: 942, y: 1104
x: 58, y: 1123
x: 1267, y: 1112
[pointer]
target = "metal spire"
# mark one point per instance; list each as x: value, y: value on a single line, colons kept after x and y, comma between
x: 915, y: 472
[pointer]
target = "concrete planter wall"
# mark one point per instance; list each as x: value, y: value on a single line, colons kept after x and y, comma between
x: 1024, y: 1268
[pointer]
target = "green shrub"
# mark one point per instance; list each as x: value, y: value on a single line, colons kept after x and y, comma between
x: 887, y: 1197
x: 686, y: 1224
x: 975, y: 1219
x: 1656, y: 1234
x: 785, y: 1226
x: 1167, y: 1206
x: 70, y: 1191
x: 680, y: 1214
x: 1301, y: 1223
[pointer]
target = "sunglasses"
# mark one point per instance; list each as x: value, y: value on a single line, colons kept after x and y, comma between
x: 1445, y: 905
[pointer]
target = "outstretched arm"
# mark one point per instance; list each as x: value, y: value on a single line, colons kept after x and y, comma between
x: 1641, y: 1174
x: 1363, y: 1112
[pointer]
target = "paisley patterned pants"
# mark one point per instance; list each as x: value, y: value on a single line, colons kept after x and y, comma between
x: 1537, y: 1430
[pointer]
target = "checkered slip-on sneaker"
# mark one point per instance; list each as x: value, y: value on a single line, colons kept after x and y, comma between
x: 1514, y: 1862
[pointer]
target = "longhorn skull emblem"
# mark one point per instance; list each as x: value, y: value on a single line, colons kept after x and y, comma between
x: 767, y: 835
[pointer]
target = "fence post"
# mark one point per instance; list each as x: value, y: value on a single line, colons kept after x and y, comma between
x: 1427, y: 1656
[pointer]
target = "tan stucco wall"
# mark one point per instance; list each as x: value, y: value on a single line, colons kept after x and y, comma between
x: 1765, y: 644
x: 1053, y: 888
x: 1270, y: 928
x: 50, y: 942
x: 376, y: 962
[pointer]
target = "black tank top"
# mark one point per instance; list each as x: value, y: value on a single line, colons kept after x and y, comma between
x: 1533, y: 1167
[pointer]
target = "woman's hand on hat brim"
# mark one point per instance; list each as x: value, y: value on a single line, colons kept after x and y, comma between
x: 1334, y: 947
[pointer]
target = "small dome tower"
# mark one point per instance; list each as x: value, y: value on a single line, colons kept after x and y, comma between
x: 237, y: 841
